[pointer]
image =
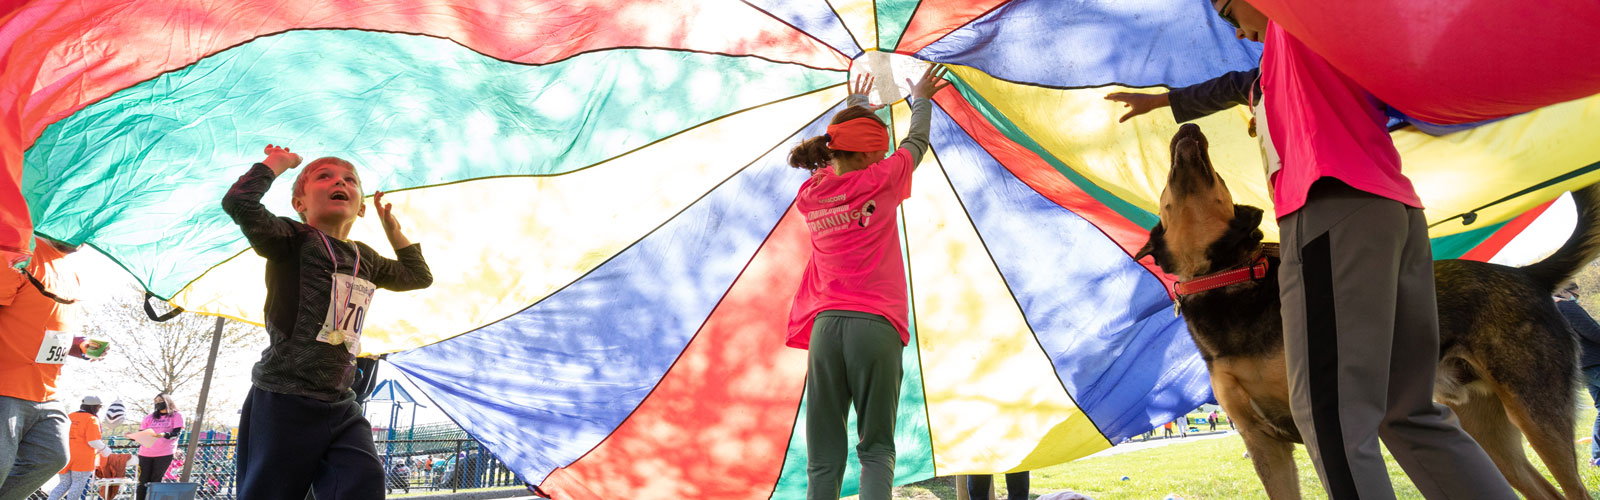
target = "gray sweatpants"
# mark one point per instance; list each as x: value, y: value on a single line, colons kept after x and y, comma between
x: 33, y: 445
x: 71, y: 485
x: 1361, y: 337
x: 854, y: 360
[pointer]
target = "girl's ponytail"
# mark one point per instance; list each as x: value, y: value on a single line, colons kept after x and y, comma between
x: 814, y: 152
x: 811, y: 154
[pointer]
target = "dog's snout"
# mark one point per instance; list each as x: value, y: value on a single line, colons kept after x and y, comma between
x: 1186, y: 145
x: 1191, y: 168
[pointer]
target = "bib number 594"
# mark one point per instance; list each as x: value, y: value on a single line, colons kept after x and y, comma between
x: 56, y: 354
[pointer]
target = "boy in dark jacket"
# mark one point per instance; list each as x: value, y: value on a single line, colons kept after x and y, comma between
x: 301, y: 426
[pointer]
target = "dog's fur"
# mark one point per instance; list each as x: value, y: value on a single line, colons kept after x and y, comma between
x: 1508, y: 360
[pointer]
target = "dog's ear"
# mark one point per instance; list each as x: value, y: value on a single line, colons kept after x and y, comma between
x: 1247, y: 215
x: 1156, y: 233
x: 1247, y: 221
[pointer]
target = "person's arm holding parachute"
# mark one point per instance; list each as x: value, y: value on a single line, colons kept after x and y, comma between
x: 411, y: 271
x: 268, y: 234
x: 1195, y: 101
x: 916, y: 141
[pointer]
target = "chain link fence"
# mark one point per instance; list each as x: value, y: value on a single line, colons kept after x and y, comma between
x: 413, y: 466
x: 441, y: 465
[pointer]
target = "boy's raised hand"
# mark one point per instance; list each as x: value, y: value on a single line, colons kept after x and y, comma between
x: 391, y: 225
x: 931, y: 83
x: 280, y: 160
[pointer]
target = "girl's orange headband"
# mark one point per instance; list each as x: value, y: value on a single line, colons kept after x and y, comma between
x: 861, y: 135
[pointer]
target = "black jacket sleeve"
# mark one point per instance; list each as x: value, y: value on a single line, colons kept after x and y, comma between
x: 1580, y: 320
x: 409, y: 272
x: 1210, y: 96
x: 271, y: 236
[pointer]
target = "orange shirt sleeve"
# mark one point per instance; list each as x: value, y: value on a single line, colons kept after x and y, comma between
x: 91, y: 431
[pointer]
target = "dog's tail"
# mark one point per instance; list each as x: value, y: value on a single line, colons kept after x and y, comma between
x: 1579, y: 249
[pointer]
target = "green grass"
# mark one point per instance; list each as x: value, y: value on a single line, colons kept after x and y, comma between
x: 418, y: 492
x: 1210, y: 469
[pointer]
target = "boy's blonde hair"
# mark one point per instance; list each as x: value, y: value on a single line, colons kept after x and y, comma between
x: 300, y: 180
x: 304, y: 176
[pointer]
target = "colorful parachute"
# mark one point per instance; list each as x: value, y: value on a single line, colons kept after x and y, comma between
x: 600, y: 189
x: 1454, y: 61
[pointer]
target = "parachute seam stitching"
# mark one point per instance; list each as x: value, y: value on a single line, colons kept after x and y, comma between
x: 197, y: 60
x: 608, y: 260
x: 877, y: 28
x: 481, y: 446
x: 911, y: 301
x: 909, y: 20
x: 807, y: 33
x: 635, y: 242
x: 622, y: 154
x: 779, y: 480
x: 1006, y: 282
x: 146, y: 286
x: 798, y: 402
x: 846, y: 25
x: 957, y: 28
x: 1158, y: 86
x: 1571, y: 174
x: 1031, y: 187
x: 476, y: 179
x: 697, y: 331
x: 1044, y: 153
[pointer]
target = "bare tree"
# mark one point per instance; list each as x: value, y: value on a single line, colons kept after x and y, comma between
x: 151, y: 357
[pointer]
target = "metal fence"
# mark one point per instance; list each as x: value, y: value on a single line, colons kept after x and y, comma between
x: 410, y: 466
x: 441, y: 465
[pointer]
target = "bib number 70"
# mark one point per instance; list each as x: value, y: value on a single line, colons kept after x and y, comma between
x: 354, y: 314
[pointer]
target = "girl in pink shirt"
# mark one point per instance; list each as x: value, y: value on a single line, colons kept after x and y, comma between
x: 1356, y: 283
x: 157, y: 457
x: 851, y: 310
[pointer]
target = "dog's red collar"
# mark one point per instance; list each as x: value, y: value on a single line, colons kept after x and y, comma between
x: 1218, y: 280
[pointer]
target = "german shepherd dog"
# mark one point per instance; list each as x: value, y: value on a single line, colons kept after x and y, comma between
x: 1508, y: 360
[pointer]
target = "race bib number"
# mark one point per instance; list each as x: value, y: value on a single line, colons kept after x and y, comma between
x: 346, y: 311
x: 53, y: 350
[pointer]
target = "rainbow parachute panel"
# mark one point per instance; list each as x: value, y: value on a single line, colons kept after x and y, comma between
x: 601, y: 191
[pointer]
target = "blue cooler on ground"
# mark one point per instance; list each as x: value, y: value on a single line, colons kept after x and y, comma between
x: 172, y: 491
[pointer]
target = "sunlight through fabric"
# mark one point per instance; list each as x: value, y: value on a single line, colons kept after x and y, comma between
x: 604, y: 199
